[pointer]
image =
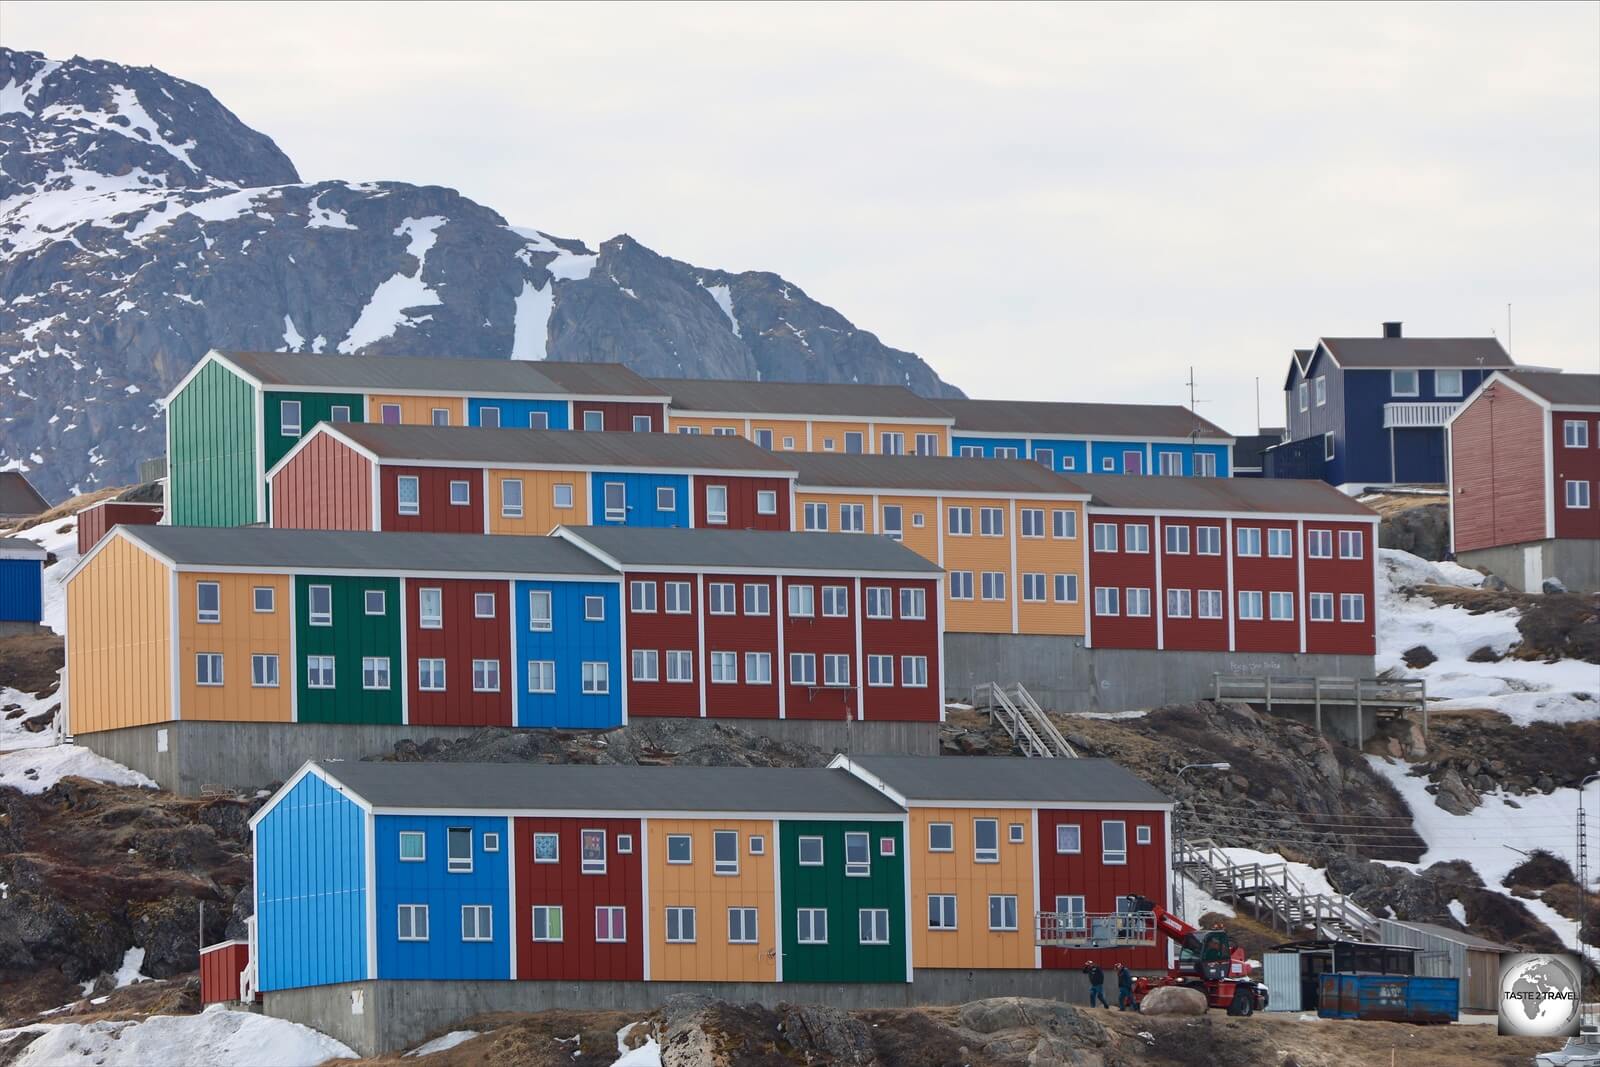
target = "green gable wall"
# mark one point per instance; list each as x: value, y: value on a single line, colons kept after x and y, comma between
x: 843, y: 958
x: 314, y: 408
x: 353, y: 635
x: 211, y: 476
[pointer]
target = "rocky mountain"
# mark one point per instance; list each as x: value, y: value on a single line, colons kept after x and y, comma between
x: 141, y: 224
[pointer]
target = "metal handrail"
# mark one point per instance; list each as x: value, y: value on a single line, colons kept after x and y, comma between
x: 1010, y: 718
x: 1041, y: 721
x: 1276, y: 886
x: 1079, y: 929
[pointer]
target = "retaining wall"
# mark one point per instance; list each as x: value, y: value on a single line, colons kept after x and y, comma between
x: 1575, y: 561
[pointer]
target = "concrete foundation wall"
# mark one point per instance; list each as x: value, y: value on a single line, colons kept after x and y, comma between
x: 1064, y: 676
x: 1576, y: 562
x: 396, y: 1015
x: 184, y: 756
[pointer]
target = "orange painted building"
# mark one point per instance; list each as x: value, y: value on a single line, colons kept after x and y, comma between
x: 683, y: 875
x: 811, y: 417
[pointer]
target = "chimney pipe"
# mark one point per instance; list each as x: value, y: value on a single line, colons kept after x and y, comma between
x: 1391, y: 329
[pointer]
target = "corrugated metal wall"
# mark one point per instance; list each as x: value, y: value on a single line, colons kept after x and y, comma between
x: 1477, y: 969
x: 21, y: 590
x: 1281, y: 973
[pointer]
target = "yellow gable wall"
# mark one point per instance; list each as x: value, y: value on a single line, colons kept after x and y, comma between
x: 119, y: 640
x: 418, y: 410
x: 539, y: 513
x: 972, y: 944
x: 694, y: 885
x: 242, y: 633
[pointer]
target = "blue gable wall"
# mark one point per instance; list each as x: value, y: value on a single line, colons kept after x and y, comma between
x: 640, y: 490
x: 444, y: 954
x: 21, y: 590
x: 1074, y: 456
x: 311, y: 897
x: 569, y: 642
x: 514, y: 413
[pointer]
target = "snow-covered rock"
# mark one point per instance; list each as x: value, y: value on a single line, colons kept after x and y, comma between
x: 215, y: 1036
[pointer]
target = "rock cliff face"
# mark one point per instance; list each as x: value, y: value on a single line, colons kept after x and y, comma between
x: 141, y: 224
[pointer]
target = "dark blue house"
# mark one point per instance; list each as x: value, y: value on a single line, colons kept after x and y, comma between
x: 21, y: 584
x: 1371, y: 410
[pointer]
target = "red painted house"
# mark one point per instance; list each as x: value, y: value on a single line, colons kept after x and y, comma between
x: 1080, y: 856
x: 1229, y: 565
x: 1524, y: 455
x: 459, y: 652
x: 97, y: 520
x: 580, y: 897
x: 746, y: 624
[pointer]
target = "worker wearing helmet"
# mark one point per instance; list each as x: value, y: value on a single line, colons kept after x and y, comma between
x: 1097, y: 984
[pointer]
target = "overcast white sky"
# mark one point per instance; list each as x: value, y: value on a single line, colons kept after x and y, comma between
x: 1064, y: 202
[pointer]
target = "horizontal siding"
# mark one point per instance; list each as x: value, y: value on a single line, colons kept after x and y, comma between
x: 1576, y: 464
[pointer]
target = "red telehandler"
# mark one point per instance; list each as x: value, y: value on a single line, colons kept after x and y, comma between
x: 1208, y: 961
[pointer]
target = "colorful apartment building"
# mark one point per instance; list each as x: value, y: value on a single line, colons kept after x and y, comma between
x: 498, y: 481
x: 1525, y: 476
x: 236, y: 414
x: 1084, y: 438
x: 894, y: 877
x: 1007, y: 532
x: 810, y: 417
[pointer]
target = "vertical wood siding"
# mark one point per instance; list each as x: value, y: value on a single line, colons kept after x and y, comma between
x: 445, y: 955
x: 242, y: 632
x: 327, y: 486
x: 417, y: 410
x: 311, y: 901
x: 663, y: 632
x: 844, y: 958
x: 793, y: 429
x: 94, y: 523
x: 578, y: 956
x: 119, y: 641
x: 1338, y: 576
x: 21, y: 590
x: 742, y: 513
x: 899, y: 637
x: 972, y: 944
x: 976, y: 553
x: 1196, y: 573
x: 619, y: 416
x: 219, y: 972
x: 211, y: 479
x: 463, y: 638
x: 1123, y: 570
x: 539, y: 512
x: 517, y: 414
x: 1085, y: 874
x: 643, y: 505
x: 314, y: 408
x: 739, y: 634
x: 435, y: 512
x: 820, y: 635
x: 1266, y: 575
x: 353, y: 635
x: 710, y: 958
x: 1050, y: 556
x: 1498, y: 472
x: 1576, y: 464
x: 828, y: 436
x: 569, y: 642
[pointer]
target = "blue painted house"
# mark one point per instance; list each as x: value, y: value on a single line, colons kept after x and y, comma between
x: 1371, y: 410
x: 21, y: 584
x: 1164, y: 439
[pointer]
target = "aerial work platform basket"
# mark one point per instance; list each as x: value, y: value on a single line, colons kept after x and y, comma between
x: 1078, y: 929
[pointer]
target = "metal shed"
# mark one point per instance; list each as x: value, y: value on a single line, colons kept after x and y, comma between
x: 1293, y: 971
x: 1447, y: 953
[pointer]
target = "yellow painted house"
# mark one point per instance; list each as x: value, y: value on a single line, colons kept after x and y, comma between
x: 810, y: 417
x: 1009, y: 533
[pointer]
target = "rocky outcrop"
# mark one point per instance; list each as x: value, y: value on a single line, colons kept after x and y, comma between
x: 1173, y: 1000
x: 1423, y: 530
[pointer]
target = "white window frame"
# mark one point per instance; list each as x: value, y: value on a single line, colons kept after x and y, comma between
x: 1177, y: 539
x: 288, y: 427
x: 1319, y: 607
x: 1349, y: 600
x: 1180, y: 603
x: 431, y: 674
x: 208, y: 672
x: 1208, y: 604
x: 958, y: 521
x: 408, y: 485
x: 744, y: 925
x: 1250, y: 606
x: 314, y: 673
x: 367, y: 602
x: 1107, y: 601
x: 722, y: 598
x: 1575, y: 433
x: 758, y: 668
x: 1280, y: 543
x: 680, y: 665
x: 716, y: 505
x: 942, y: 913
x: 913, y: 603
x: 548, y: 912
x: 991, y: 522
x: 615, y: 916
x: 680, y: 931
x: 1280, y: 606
x: 479, y: 600
x: 1033, y: 587
x: 315, y: 617
x: 1065, y: 588
x: 482, y: 922
x: 594, y: 421
x: 814, y: 514
x: 541, y: 610
x: 960, y: 585
x: 486, y: 676
x: 456, y: 864
x: 687, y: 840
x: 811, y: 926
x: 434, y: 619
x: 411, y: 912
x: 645, y: 665
x: 256, y: 600
x: 724, y: 668
x: 1576, y: 493
x: 802, y: 601
x: 1397, y: 376
x: 201, y: 613
x: 418, y: 836
x: 993, y: 587
x: 1439, y: 388
x: 619, y: 512
x: 880, y: 670
x: 1069, y: 844
x: 642, y: 596
x: 375, y: 669
x: 1008, y: 912
x: 878, y: 919
x: 596, y: 677
x: 555, y: 839
x: 1352, y: 539
x: 857, y: 868
x: 678, y: 597
x: 1319, y: 544
x: 980, y: 854
x: 1064, y: 524
x: 836, y: 669
x: 561, y: 496
x: 836, y: 601
x: 1247, y: 541
x: 1142, y: 835
x: 913, y: 672
x: 803, y: 668
x: 1109, y: 856
x: 1321, y: 390
x: 538, y: 671
x: 766, y: 502
x: 1137, y: 601
x: 1105, y: 537
x: 1208, y: 540
x: 594, y: 609
x: 593, y: 866
x: 646, y: 428
x: 950, y: 830
x: 264, y: 670
x: 852, y: 518
x: 806, y: 841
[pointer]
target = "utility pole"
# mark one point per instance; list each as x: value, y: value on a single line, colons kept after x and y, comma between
x: 1179, y: 844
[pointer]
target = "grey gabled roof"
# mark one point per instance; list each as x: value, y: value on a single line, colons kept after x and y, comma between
x: 18, y: 497
x: 1061, y: 417
x: 842, y: 399
x: 472, y: 444
x: 1472, y: 941
x: 1464, y: 352
x: 1010, y: 780
x: 608, y: 788
x: 489, y: 377
x: 939, y: 474
x: 21, y: 548
x: 1578, y: 390
x: 362, y: 550
x: 1266, y: 495
x: 827, y: 553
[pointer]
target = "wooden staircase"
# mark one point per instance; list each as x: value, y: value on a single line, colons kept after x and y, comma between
x: 1273, y: 889
x: 1023, y: 720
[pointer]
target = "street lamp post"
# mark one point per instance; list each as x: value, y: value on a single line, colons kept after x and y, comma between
x: 1177, y: 830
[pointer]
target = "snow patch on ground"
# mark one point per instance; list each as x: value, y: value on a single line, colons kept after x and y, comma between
x: 724, y: 298
x: 386, y: 310
x: 37, y: 769
x: 531, y: 327
x: 132, y: 968
x: 12, y: 734
x: 646, y: 1055
x: 1197, y: 903
x: 326, y: 218
x: 291, y: 336
x: 571, y: 268
x: 215, y: 1036
x: 444, y: 1044
x: 1311, y: 879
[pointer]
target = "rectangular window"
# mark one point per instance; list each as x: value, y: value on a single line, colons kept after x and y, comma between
x: 766, y: 502
x: 594, y: 609
x: 892, y: 444
x: 1178, y: 603
x: 561, y: 495
x: 615, y: 496
x: 758, y: 845
x: 857, y: 854
x: 542, y: 676
x: 412, y: 922
x: 994, y: 585
x: 646, y: 665
x: 971, y: 452
x: 811, y: 926
x: 511, y: 498
x: 874, y: 926
x: 802, y: 601
x: 1319, y: 544
x: 1205, y: 465
x: 679, y: 599
x: 546, y: 848
x: 430, y: 675
x: 1138, y: 602
x: 375, y: 672
x: 986, y: 840
x: 836, y: 601
x: 1005, y: 452
x: 477, y: 922
x: 594, y: 421
x: 721, y: 598
x: 1280, y: 607
x: 1106, y: 600
x: 992, y: 522
x: 1249, y: 605
x: 835, y: 669
x: 489, y: 418
x: 1177, y: 540
x: 1114, y: 842
x: 1208, y: 540
x: 458, y: 851
x: 717, y: 505
x: 408, y: 495
x: 764, y: 439
x: 1280, y: 543
x: 441, y: 416
x: 1303, y: 392
x: 913, y: 603
x: 666, y: 498
x: 1577, y: 494
x: 592, y: 851
x: 1447, y: 383
x: 1210, y: 606
x: 1353, y: 607
x: 758, y: 668
x: 1069, y: 463
x: 1575, y: 433
x: 539, y: 617
x: 680, y: 849
x: 264, y: 671
x: 1402, y: 383
x: 483, y: 605
x: 1321, y: 607
x: 546, y: 922
x: 853, y: 443
x: 389, y: 414
x: 914, y: 671
x: 208, y: 602
x: 1064, y: 524
x: 880, y: 670
x: 1142, y: 835
x: 1045, y: 457
x: 430, y: 608
x: 319, y: 672
x: 486, y: 676
x: 289, y: 418
x: 815, y: 515
x: 724, y: 668
x: 1015, y: 833
x: 1327, y: 445
x: 1002, y: 912
x: 1351, y: 544
x: 757, y: 598
x: 959, y: 521
x: 880, y: 602
x: 802, y: 668
x: 1170, y: 464
x: 1066, y: 588
x: 374, y: 601
x: 960, y: 585
x: 810, y: 852
x: 208, y: 668
x: 1136, y: 538
x: 1069, y: 838
x: 1032, y: 520
x: 1105, y: 537
x: 680, y: 926
x: 413, y: 846
x: 321, y: 605
x: 724, y: 431
x: 264, y: 599
x: 680, y: 666
x: 642, y: 424
x: 927, y: 444
x: 1321, y: 383
x: 1070, y: 914
x: 852, y: 518
x: 725, y: 852
x: 1248, y: 540
x: 610, y: 924
x: 941, y: 911
x: 1033, y: 588
x: 642, y: 596
x: 596, y: 678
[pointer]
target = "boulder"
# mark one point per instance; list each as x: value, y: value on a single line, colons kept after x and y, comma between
x: 1553, y: 586
x: 1423, y: 531
x: 1455, y: 795
x: 1418, y: 656
x: 1173, y: 1000
x: 828, y: 1035
x: 1484, y: 654
x: 1495, y: 583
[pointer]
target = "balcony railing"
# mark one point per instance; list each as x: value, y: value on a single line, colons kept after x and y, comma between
x: 1418, y: 414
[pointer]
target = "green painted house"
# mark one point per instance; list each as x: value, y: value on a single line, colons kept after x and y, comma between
x: 843, y: 899
x: 348, y: 662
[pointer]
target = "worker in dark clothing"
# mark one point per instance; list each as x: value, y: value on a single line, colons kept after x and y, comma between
x: 1097, y: 984
x: 1124, y: 988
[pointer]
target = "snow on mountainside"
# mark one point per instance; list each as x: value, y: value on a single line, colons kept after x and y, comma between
x: 141, y: 224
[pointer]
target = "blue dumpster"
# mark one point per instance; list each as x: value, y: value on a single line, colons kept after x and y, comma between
x: 1399, y: 998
